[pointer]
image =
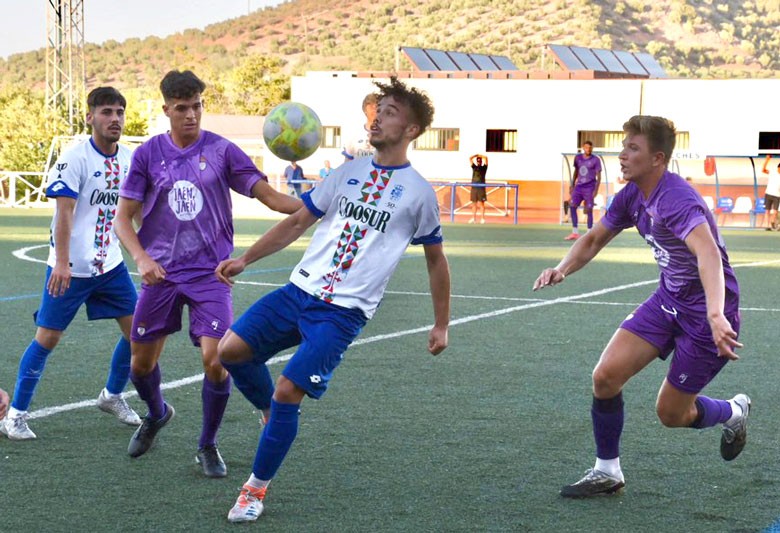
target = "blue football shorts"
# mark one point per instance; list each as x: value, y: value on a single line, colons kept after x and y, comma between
x: 110, y: 295
x: 290, y: 317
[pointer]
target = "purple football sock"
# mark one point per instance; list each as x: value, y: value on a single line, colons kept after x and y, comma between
x: 711, y: 412
x: 215, y: 398
x: 148, y: 388
x: 607, y: 416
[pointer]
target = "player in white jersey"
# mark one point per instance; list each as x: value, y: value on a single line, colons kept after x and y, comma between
x: 359, y: 146
x: 85, y: 262
x: 370, y: 211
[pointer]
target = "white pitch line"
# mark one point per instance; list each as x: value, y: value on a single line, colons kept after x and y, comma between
x: 48, y: 411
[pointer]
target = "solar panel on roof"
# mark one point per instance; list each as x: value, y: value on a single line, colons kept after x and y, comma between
x: 419, y: 59
x: 503, y: 62
x: 463, y: 61
x: 630, y: 62
x: 610, y: 61
x: 651, y: 65
x: 566, y: 56
x: 441, y: 59
x: 588, y: 58
x: 483, y: 62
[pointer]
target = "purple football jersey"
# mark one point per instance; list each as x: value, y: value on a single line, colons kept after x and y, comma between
x: 187, y: 211
x: 665, y: 219
x: 586, y: 169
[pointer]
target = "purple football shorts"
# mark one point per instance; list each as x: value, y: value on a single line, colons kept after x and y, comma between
x: 686, y: 332
x: 160, y: 308
x: 582, y: 194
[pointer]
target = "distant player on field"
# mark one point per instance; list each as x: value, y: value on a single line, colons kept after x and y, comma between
x: 771, y: 195
x: 180, y: 182
x: 85, y: 265
x: 693, y: 312
x: 360, y: 145
x: 587, y: 178
x: 371, y: 209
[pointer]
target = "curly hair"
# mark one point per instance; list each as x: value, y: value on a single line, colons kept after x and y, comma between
x: 419, y: 104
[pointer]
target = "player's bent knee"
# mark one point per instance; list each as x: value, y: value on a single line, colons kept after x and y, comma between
x: 287, y: 391
x: 233, y: 349
x: 48, y: 338
x: 605, y: 383
x: 672, y: 417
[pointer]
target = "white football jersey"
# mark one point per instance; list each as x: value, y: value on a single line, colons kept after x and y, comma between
x: 92, y: 179
x: 370, y: 214
x: 358, y: 147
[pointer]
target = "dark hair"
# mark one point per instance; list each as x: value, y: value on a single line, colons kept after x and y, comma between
x: 104, y: 96
x: 588, y: 143
x: 660, y: 132
x: 419, y: 104
x: 182, y: 85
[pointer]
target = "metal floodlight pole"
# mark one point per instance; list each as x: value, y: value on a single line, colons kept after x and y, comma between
x: 66, y: 68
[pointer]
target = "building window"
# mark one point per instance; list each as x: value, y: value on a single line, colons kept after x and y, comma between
x: 440, y: 139
x: 769, y: 140
x: 501, y: 141
x: 331, y: 137
x: 612, y: 141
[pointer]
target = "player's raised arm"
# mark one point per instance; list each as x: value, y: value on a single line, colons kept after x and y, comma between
x: 282, y: 203
x: 439, y: 277
x: 580, y: 254
x: 278, y: 237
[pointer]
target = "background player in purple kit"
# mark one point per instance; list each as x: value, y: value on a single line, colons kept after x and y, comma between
x: 694, y: 312
x: 587, y: 178
x: 371, y: 209
x: 180, y: 181
x: 85, y: 264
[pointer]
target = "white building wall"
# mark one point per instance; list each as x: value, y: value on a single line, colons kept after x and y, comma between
x: 722, y: 116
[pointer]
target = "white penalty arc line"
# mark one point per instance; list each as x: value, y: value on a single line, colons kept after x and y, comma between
x: 48, y: 411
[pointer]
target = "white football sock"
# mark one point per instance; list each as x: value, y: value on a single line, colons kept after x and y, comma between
x: 610, y: 467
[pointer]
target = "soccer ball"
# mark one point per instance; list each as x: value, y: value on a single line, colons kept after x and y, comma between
x: 292, y: 131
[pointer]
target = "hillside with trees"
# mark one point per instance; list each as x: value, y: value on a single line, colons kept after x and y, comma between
x: 247, y: 60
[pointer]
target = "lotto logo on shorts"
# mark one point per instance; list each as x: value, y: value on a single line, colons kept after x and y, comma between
x: 315, y: 378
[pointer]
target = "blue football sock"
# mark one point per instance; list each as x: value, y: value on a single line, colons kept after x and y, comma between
x: 607, y: 418
x: 254, y: 381
x: 30, y: 371
x: 119, y: 373
x: 215, y: 398
x: 276, y: 439
x: 149, y: 391
x: 710, y: 412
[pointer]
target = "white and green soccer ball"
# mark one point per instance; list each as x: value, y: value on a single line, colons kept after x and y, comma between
x: 292, y: 131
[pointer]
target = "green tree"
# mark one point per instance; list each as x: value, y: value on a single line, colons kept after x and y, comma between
x: 24, y: 130
x: 256, y: 85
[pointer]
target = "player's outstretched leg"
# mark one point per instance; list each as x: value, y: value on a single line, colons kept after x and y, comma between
x: 594, y: 483
x: 734, y: 435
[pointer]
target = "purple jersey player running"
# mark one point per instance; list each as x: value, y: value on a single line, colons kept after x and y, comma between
x: 587, y: 178
x: 180, y: 181
x: 694, y: 312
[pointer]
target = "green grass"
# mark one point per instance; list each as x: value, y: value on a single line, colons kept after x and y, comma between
x: 478, y: 439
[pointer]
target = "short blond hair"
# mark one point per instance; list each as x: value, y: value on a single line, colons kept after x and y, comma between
x: 660, y: 132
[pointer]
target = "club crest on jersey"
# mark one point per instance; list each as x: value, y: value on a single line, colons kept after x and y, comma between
x: 202, y: 163
x: 396, y: 193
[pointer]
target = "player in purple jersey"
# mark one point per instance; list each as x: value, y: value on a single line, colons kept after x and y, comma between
x: 180, y: 182
x: 371, y: 210
x: 587, y: 178
x: 694, y: 312
x: 85, y: 265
